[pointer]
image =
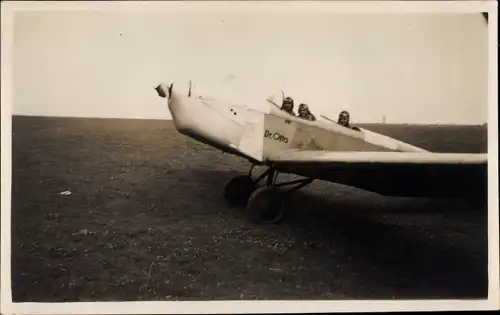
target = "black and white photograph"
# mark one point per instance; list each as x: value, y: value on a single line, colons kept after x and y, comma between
x: 249, y: 152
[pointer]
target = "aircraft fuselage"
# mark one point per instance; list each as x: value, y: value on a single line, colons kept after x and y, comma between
x: 255, y: 133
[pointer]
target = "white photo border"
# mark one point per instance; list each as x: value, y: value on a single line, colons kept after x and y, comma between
x: 223, y: 307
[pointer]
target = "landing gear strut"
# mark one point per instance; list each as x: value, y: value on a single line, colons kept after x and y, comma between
x: 264, y: 205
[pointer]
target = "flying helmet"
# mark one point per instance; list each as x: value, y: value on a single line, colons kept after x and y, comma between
x: 303, y: 107
x: 344, y: 117
x: 287, y: 104
x: 288, y: 101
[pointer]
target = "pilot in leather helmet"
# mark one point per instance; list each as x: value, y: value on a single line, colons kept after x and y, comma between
x: 287, y: 105
x: 305, y: 113
x: 344, y: 120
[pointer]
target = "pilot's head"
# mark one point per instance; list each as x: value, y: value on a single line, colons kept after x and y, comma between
x: 344, y: 118
x: 287, y: 104
x: 303, y: 109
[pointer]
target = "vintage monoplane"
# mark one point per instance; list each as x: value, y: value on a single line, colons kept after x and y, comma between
x: 317, y: 150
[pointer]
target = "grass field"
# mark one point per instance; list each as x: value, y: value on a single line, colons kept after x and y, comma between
x: 146, y: 220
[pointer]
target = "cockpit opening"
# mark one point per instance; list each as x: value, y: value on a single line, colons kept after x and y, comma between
x: 305, y: 113
x: 288, y: 105
x: 303, y: 110
x: 344, y: 120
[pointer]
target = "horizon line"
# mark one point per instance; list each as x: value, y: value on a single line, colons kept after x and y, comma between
x: 170, y: 119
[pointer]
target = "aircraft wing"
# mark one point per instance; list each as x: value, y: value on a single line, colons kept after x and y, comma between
x: 433, y: 175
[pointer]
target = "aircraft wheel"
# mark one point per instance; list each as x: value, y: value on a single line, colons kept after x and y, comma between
x: 238, y: 190
x: 266, y: 206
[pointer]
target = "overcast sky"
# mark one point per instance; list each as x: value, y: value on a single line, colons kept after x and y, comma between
x: 419, y: 68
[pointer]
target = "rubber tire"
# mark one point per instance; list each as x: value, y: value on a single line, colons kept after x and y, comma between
x: 238, y: 189
x: 266, y: 206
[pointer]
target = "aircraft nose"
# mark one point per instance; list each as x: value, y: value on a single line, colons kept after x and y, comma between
x: 161, y: 91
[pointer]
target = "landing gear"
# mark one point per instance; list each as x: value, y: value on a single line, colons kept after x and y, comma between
x: 264, y: 205
x: 267, y: 205
x: 238, y: 190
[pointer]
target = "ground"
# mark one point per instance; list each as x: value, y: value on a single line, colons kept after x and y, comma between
x: 145, y: 220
